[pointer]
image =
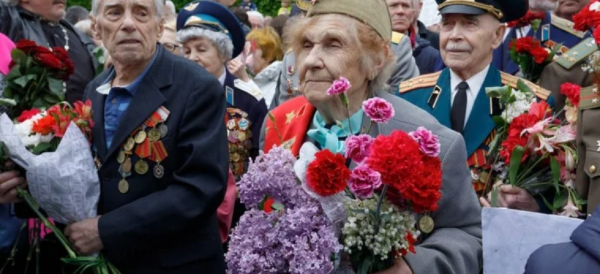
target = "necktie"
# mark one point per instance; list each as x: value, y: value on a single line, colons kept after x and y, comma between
x: 459, y: 108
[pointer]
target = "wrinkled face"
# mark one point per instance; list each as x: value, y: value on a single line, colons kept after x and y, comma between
x: 203, y: 52
x: 330, y: 49
x: 169, y: 41
x: 129, y: 29
x: 255, y: 22
x: 402, y: 14
x: 570, y: 7
x: 467, y: 41
x: 52, y: 10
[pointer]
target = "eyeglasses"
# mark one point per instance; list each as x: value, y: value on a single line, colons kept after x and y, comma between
x: 172, y: 47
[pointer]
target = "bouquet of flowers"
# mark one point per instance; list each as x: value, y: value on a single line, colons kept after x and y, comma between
x: 588, y: 18
x: 533, y: 149
x: 316, y: 215
x: 528, y: 51
x: 51, y: 142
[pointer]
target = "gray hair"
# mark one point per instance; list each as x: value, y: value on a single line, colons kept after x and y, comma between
x: 220, y: 41
x: 160, y: 7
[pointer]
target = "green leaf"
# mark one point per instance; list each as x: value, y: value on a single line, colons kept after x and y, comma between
x: 494, y: 201
x: 554, y: 51
x: 499, y: 120
x: 56, y: 86
x: 515, y: 163
x: 7, y: 102
x: 523, y: 87
x: 14, y: 73
x: 555, y: 173
x: 17, y: 54
x: 496, y: 92
x: 278, y: 206
x: 546, y: 202
x: 559, y: 199
x: 365, y: 266
x: 24, y: 80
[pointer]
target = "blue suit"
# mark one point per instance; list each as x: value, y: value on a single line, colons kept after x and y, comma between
x: 553, y: 30
x: 432, y: 92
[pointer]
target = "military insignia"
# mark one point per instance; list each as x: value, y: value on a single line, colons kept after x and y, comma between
x: 229, y: 95
x: 290, y: 70
x: 244, y: 124
x: 289, y: 143
x: 290, y: 116
x: 238, y: 134
x: 590, y: 98
x: 123, y: 186
x: 598, y: 145
x: 545, y: 33
x: 191, y: 7
x: 495, y: 106
x: 566, y: 25
x: 423, y: 81
x: 435, y: 95
x: 577, y: 53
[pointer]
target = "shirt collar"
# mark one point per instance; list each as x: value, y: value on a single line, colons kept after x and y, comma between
x: 132, y: 87
x: 222, y: 77
x: 475, y: 82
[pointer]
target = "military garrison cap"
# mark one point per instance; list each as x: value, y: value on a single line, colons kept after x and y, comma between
x: 504, y: 10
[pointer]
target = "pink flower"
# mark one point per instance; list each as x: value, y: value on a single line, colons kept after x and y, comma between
x: 363, y: 181
x: 357, y: 147
x: 379, y: 110
x: 339, y: 86
x: 428, y: 142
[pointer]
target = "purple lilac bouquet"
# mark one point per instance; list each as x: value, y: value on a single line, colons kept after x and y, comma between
x: 293, y: 234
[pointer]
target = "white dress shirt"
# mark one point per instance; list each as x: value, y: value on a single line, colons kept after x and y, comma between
x: 222, y: 77
x: 520, y: 32
x: 475, y: 83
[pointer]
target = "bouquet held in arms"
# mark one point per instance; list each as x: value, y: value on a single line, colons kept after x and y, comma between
x: 534, y: 150
x: 317, y: 215
x: 527, y: 51
x: 50, y: 140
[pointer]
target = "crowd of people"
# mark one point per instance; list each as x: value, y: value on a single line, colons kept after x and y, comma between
x: 227, y: 73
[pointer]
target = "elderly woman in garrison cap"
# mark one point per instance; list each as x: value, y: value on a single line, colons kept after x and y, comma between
x: 351, y: 38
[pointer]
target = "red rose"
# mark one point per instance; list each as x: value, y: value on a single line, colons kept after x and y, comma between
x: 412, y: 176
x: 67, y: 64
x: 328, y: 173
x: 572, y: 92
x: 539, y: 54
x: 26, y: 46
x: 48, y: 60
x: 27, y: 114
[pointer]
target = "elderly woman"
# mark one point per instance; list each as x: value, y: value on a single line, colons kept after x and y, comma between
x: 352, y: 39
x: 211, y: 35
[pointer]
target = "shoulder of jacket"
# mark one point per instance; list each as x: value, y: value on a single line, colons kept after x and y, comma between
x: 247, y: 88
x: 589, y: 98
x: 511, y: 81
x: 565, y: 25
x: 423, y: 81
x: 577, y: 53
x: 397, y: 37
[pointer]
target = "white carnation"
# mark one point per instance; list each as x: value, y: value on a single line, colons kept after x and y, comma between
x: 595, y: 6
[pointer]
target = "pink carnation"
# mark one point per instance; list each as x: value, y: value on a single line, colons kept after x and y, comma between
x: 428, y: 142
x: 339, y: 86
x: 363, y: 181
x: 379, y: 110
x: 357, y: 147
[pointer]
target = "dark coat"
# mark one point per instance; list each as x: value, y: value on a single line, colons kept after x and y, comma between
x: 166, y: 225
x: 426, y: 56
x: 581, y: 255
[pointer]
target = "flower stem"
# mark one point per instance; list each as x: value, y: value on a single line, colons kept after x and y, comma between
x: 378, y: 211
x: 59, y: 235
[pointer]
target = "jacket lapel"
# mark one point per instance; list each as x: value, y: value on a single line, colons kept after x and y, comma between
x: 480, y: 123
x: 148, y: 98
x: 98, y: 129
x: 441, y: 110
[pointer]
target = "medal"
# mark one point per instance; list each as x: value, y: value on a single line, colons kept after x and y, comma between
x: 163, y: 130
x: 143, y: 150
x: 241, y: 136
x: 140, y: 137
x: 426, y: 224
x: 235, y: 157
x: 159, y: 171
x: 244, y: 124
x: 231, y: 124
x: 121, y: 157
x: 126, y: 166
x: 123, y: 186
x: 141, y: 167
x: 154, y: 135
x: 129, y: 144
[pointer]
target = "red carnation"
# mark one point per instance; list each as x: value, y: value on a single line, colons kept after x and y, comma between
x: 26, y: 46
x: 268, y: 205
x: 328, y: 173
x: 28, y: 114
x: 520, y: 123
x: 525, y: 44
x: 539, y: 54
x: 509, y: 145
x: 527, y: 19
x: 572, y: 92
x: 597, y: 36
x: 413, y: 177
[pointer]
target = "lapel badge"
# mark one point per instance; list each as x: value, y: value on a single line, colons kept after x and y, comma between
x: 495, y: 106
x: 290, y: 70
x: 435, y: 95
x: 229, y: 94
x: 545, y: 32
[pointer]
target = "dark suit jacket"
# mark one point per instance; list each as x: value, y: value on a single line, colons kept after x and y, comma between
x: 166, y: 225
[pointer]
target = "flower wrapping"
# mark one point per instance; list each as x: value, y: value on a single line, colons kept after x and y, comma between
x: 65, y: 183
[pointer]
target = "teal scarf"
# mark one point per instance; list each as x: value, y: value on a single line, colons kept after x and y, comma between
x: 329, y: 138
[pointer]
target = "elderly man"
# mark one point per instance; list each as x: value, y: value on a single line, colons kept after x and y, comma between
x: 160, y: 143
x: 350, y: 38
x: 404, y: 19
x: 257, y: 20
x: 456, y: 95
x: 41, y: 21
x: 288, y: 86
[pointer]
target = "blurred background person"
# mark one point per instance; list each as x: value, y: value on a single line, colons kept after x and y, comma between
x: 257, y: 20
x: 76, y: 13
x: 278, y: 24
x: 242, y: 16
x: 248, y: 5
x: 567, y: 8
x: 169, y: 38
x: 286, y: 7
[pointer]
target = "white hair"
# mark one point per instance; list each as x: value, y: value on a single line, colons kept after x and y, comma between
x: 257, y: 14
x: 85, y: 26
x: 159, y: 4
x: 220, y: 41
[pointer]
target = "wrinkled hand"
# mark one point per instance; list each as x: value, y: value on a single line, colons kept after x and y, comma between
x: 399, y: 267
x: 85, y: 237
x: 514, y: 198
x: 237, y: 68
x: 9, y: 181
